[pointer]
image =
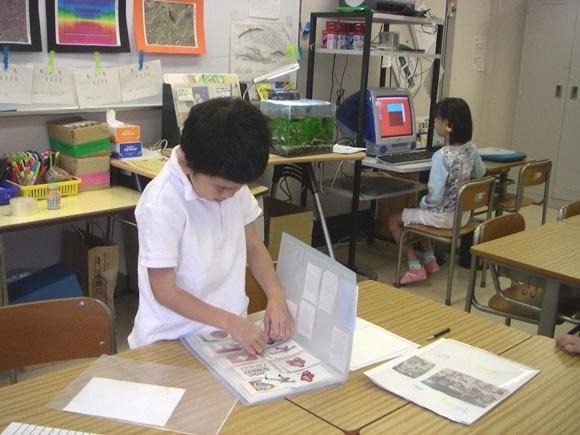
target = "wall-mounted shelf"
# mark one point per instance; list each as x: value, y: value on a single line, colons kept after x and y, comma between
x: 73, y: 110
x: 379, y: 17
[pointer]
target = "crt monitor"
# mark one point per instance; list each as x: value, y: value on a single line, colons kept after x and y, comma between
x: 390, y: 120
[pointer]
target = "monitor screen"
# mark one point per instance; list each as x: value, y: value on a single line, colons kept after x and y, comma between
x: 394, y: 116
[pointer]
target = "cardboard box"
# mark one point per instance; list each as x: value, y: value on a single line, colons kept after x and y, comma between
x: 125, y: 133
x: 95, y: 181
x: 282, y: 217
x: 84, y: 165
x: 76, y: 131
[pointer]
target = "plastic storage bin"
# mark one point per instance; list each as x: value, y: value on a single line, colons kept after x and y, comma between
x: 7, y: 192
x: 300, y: 126
x: 39, y: 191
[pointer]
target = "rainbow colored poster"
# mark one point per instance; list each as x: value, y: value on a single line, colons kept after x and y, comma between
x: 87, y: 25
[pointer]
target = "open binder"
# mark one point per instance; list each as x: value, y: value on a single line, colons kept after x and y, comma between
x: 322, y: 299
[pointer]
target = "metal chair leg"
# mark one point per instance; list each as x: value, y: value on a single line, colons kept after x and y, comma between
x: 450, y: 277
x: 471, y: 283
x: 399, y: 258
x: 483, y: 273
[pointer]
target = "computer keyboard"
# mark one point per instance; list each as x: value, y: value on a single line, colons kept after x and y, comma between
x: 407, y: 157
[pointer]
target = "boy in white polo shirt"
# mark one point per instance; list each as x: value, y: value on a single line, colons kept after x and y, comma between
x: 196, y: 233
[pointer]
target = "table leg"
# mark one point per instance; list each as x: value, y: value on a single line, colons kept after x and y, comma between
x: 502, y: 184
x: 549, y: 311
x: 316, y: 193
x: 3, y: 285
x: 354, y: 211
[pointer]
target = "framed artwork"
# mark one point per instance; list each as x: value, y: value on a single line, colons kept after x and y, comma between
x: 87, y: 26
x: 169, y: 26
x: 20, y: 25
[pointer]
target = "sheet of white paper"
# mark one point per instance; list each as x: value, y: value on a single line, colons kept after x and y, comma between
x: 312, y: 283
x: 129, y: 401
x: 328, y: 290
x: 98, y: 88
x: 306, y: 316
x: 453, y: 379
x: 264, y: 9
x: 57, y: 87
x: 140, y: 83
x: 338, y: 347
x: 16, y: 84
x: 372, y: 344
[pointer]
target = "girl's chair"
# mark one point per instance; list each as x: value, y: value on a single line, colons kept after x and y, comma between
x: 522, y: 299
x: 54, y: 330
x: 531, y: 174
x: 471, y: 195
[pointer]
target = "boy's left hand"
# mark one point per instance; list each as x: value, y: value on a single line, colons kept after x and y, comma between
x: 278, y: 324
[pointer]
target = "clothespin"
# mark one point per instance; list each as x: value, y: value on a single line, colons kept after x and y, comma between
x: 6, y: 54
x: 141, y: 58
x: 292, y: 53
x: 50, y: 67
x: 98, y: 66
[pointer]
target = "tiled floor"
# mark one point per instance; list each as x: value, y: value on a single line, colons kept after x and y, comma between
x: 380, y: 258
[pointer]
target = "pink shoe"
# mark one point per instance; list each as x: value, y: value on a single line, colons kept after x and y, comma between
x: 413, y: 275
x: 431, y: 266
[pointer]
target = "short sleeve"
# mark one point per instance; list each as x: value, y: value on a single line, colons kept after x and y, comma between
x: 250, y: 207
x: 160, y: 227
x: 437, y: 179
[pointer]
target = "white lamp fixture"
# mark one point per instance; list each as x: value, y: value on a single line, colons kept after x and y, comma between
x: 278, y: 72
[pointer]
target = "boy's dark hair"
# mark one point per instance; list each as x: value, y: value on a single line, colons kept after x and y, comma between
x: 456, y: 112
x: 227, y: 138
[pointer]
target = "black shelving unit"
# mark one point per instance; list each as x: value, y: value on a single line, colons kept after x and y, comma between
x: 368, y: 18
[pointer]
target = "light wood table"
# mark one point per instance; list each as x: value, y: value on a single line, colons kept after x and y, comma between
x: 549, y: 251
x: 574, y: 220
x: 359, y: 402
x: 105, y: 202
x: 25, y: 402
x: 547, y: 404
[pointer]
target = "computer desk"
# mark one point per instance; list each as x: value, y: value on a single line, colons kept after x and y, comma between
x: 305, y: 163
x: 87, y: 205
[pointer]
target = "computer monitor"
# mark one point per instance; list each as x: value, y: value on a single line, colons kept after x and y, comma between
x: 390, y: 120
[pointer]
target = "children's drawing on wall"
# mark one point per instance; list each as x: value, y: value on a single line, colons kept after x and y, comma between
x: 258, y: 48
x: 174, y: 27
x: 20, y: 26
x: 86, y: 26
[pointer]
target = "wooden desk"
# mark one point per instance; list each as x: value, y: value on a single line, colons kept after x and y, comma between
x: 574, y: 220
x: 26, y: 401
x: 547, y: 404
x: 359, y: 402
x: 549, y: 251
x: 496, y: 168
x: 106, y: 202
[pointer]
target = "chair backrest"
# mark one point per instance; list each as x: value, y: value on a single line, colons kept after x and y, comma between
x: 256, y: 295
x: 569, y: 210
x: 497, y: 227
x: 535, y: 173
x: 54, y: 330
x: 472, y: 195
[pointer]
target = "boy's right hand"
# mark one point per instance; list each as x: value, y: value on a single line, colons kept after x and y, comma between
x: 251, y: 337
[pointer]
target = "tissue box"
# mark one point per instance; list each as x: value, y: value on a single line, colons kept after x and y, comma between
x: 124, y: 133
x: 122, y: 150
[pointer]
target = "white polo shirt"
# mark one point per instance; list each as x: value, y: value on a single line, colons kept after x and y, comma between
x: 203, y: 240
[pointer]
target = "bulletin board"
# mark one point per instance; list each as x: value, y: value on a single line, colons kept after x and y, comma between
x: 218, y: 14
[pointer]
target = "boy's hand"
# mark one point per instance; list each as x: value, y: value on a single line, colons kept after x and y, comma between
x: 569, y: 343
x: 277, y: 321
x: 248, y: 335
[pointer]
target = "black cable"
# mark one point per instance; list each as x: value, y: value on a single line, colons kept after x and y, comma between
x: 332, y: 77
x: 340, y: 91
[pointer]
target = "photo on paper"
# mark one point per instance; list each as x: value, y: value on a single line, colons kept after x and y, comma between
x: 241, y: 357
x: 296, y: 362
x: 264, y: 386
x: 282, y: 350
x: 414, y: 367
x: 255, y: 370
x: 226, y: 346
x: 466, y: 388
